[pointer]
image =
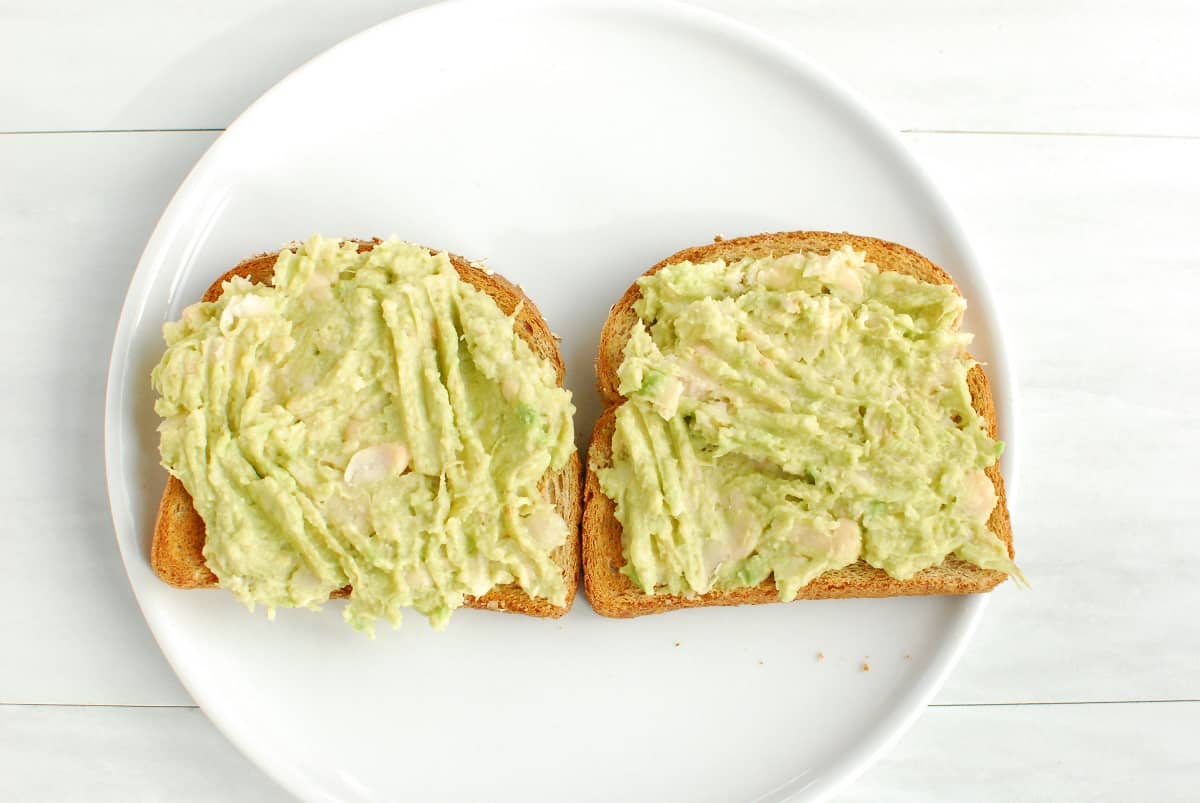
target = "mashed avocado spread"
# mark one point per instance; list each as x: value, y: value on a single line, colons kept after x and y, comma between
x: 369, y: 420
x: 789, y: 416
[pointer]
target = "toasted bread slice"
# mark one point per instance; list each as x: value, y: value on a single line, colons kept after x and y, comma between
x: 611, y: 593
x: 177, y: 551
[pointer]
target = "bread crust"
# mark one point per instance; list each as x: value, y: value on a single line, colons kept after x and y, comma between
x: 611, y: 593
x: 177, y: 549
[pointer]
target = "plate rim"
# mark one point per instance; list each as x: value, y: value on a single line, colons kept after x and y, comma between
x: 905, y: 709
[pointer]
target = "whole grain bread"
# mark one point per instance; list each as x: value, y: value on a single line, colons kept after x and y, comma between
x: 177, y: 549
x: 611, y: 593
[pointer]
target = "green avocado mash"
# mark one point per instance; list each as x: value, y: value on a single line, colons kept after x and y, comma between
x: 789, y: 416
x: 369, y: 420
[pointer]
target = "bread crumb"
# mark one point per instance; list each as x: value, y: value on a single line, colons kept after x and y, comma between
x: 760, y: 663
x: 678, y: 643
x: 717, y: 238
x: 820, y: 656
x: 866, y: 667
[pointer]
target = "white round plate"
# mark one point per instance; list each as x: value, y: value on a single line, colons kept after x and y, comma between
x: 572, y: 146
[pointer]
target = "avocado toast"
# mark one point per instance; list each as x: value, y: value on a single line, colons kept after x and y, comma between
x: 616, y: 587
x: 178, y: 552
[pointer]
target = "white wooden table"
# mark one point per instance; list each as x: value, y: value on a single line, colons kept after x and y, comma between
x: 1067, y: 135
